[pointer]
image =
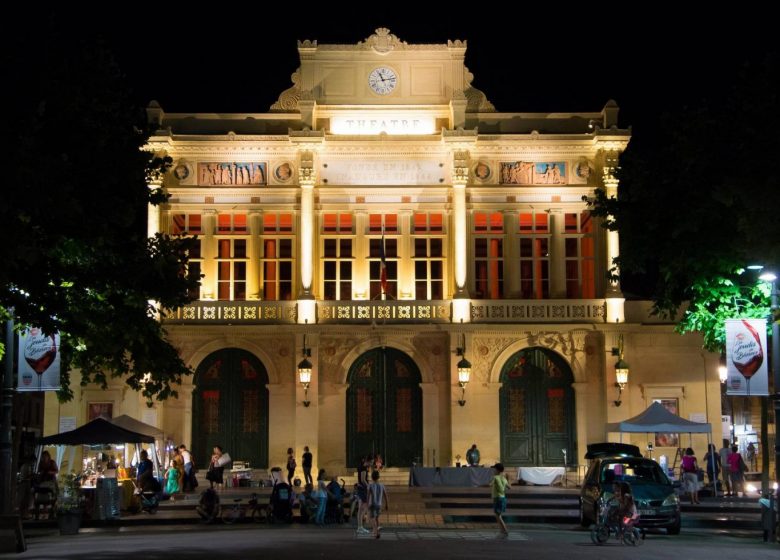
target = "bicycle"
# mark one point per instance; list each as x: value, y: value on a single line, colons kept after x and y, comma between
x: 240, y: 510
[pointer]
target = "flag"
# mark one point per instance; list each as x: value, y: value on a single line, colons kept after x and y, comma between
x: 382, y: 264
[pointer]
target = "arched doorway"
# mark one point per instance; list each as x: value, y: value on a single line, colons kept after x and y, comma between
x: 230, y: 408
x: 384, y: 408
x: 537, y: 409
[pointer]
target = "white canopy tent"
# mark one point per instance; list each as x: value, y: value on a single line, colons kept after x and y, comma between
x: 657, y: 419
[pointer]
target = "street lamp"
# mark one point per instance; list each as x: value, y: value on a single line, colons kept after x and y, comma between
x: 304, y: 372
x: 464, y: 371
x: 621, y: 370
x: 774, y: 304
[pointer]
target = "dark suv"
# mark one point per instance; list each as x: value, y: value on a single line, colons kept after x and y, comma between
x: 654, y: 494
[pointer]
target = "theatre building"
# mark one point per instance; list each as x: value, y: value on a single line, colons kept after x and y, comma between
x: 384, y: 221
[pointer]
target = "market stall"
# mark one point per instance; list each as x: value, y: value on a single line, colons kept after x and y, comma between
x: 103, y: 486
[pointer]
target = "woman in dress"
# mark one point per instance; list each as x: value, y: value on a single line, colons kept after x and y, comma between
x: 216, y: 468
x: 172, y: 480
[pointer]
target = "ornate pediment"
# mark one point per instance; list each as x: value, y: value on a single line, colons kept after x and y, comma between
x: 288, y: 100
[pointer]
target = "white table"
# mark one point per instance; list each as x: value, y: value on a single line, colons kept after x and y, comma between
x: 540, y: 475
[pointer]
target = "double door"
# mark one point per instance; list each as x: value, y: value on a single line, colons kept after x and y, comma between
x: 230, y: 408
x: 384, y: 408
x: 537, y: 410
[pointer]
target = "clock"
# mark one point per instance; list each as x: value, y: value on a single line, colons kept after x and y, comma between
x: 382, y: 80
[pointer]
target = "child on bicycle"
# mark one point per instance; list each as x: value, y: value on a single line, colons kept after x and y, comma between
x: 627, y: 511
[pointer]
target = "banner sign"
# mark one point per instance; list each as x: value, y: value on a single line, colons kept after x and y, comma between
x: 39, y: 361
x: 746, y: 357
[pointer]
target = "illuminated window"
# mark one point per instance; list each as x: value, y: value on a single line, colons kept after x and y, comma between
x: 488, y: 255
x: 428, y: 223
x: 337, y: 269
x: 194, y: 265
x: 277, y: 223
x: 277, y: 269
x: 376, y: 223
x: 186, y: 224
x: 231, y: 269
x: 337, y: 223
x: 579, y: 254
x: 428, y: 256
x: 375, y: 267
x: 534, y: 255
x: 231, y: 223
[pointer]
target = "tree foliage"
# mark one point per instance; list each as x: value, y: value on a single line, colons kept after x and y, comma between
x: 698, y: 202
x: 75, y: 254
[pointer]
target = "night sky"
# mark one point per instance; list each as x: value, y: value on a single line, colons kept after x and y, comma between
x: 526, y: 59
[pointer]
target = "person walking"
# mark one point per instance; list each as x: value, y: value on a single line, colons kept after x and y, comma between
x: 377, y: 494
x: 724, y: 453
x: 690, y: 470
x: 498, y: 492
x: 712, y: 462
x: 306, y: 463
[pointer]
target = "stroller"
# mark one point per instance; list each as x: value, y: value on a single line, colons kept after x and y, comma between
x: 280, y: 507
x: 148, y: 493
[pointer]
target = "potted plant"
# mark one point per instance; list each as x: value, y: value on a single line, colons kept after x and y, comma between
x: 69, y: 504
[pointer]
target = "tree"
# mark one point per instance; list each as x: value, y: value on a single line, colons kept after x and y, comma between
x: 75, y: 254
x: 698, y: 202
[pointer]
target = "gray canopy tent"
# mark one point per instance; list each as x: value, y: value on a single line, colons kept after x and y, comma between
x: 97, y: 432
x: 130, y: 423
x: 657, y: 419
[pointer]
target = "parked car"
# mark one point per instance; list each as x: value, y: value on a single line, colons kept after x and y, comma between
x: 654, y: 493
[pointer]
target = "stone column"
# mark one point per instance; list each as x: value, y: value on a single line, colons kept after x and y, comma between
x: 557, y: 255
x: 209, y: 254
x: 586, y: 414
x: 307, y: 178
x: 431, y: 419
x: 614, y: 295
x: 253, y: 252
x: 282, y: 421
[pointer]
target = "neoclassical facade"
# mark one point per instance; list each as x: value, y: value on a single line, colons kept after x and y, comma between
x: 384, y: 216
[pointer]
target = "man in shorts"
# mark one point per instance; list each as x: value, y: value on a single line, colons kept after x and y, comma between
x: 376, y: 496
x: 498, y: 492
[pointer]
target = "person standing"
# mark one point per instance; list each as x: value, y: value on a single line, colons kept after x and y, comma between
x: 498, y: 492
x: 306, y: 463
x: 217, y: 466
x: 362, y: 492
x: 291, y: 465
x: 472, y: 456
x: 186, y: 458
x: 690, y: 470
x: 712, y: 462
x: 737, y: 470
x: 377, y: 494
x: 724, y: 453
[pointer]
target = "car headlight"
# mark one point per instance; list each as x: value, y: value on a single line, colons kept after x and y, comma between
x: 671, y: 500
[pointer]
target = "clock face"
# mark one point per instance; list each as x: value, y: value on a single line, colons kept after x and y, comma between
x: 382, y: 80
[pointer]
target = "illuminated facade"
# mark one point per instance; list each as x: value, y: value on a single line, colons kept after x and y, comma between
x: 384, y: 209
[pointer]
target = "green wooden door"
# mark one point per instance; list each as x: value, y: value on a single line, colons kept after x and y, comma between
x: 230, y: 408
x: 384, y: 408
x: 537, y: 409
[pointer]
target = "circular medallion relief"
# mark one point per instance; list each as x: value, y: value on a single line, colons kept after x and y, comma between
x: 181, y: 172
x: 283, y: 172
x: 482, y: 171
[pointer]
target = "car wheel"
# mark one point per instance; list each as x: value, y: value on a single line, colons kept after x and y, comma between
x: 584, y: 521
x: 674, y: 529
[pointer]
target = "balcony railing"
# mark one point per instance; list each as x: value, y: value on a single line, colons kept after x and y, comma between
x: 234, y: 313
x: 403, y: 311
x: 538, y: 311
x: 389, y: 312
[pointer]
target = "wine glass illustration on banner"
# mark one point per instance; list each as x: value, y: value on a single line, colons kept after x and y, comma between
x: 39, y: 351
x: 747, y: 355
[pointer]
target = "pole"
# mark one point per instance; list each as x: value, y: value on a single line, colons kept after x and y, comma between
x: 775, y: 307
x: 6, y: 410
